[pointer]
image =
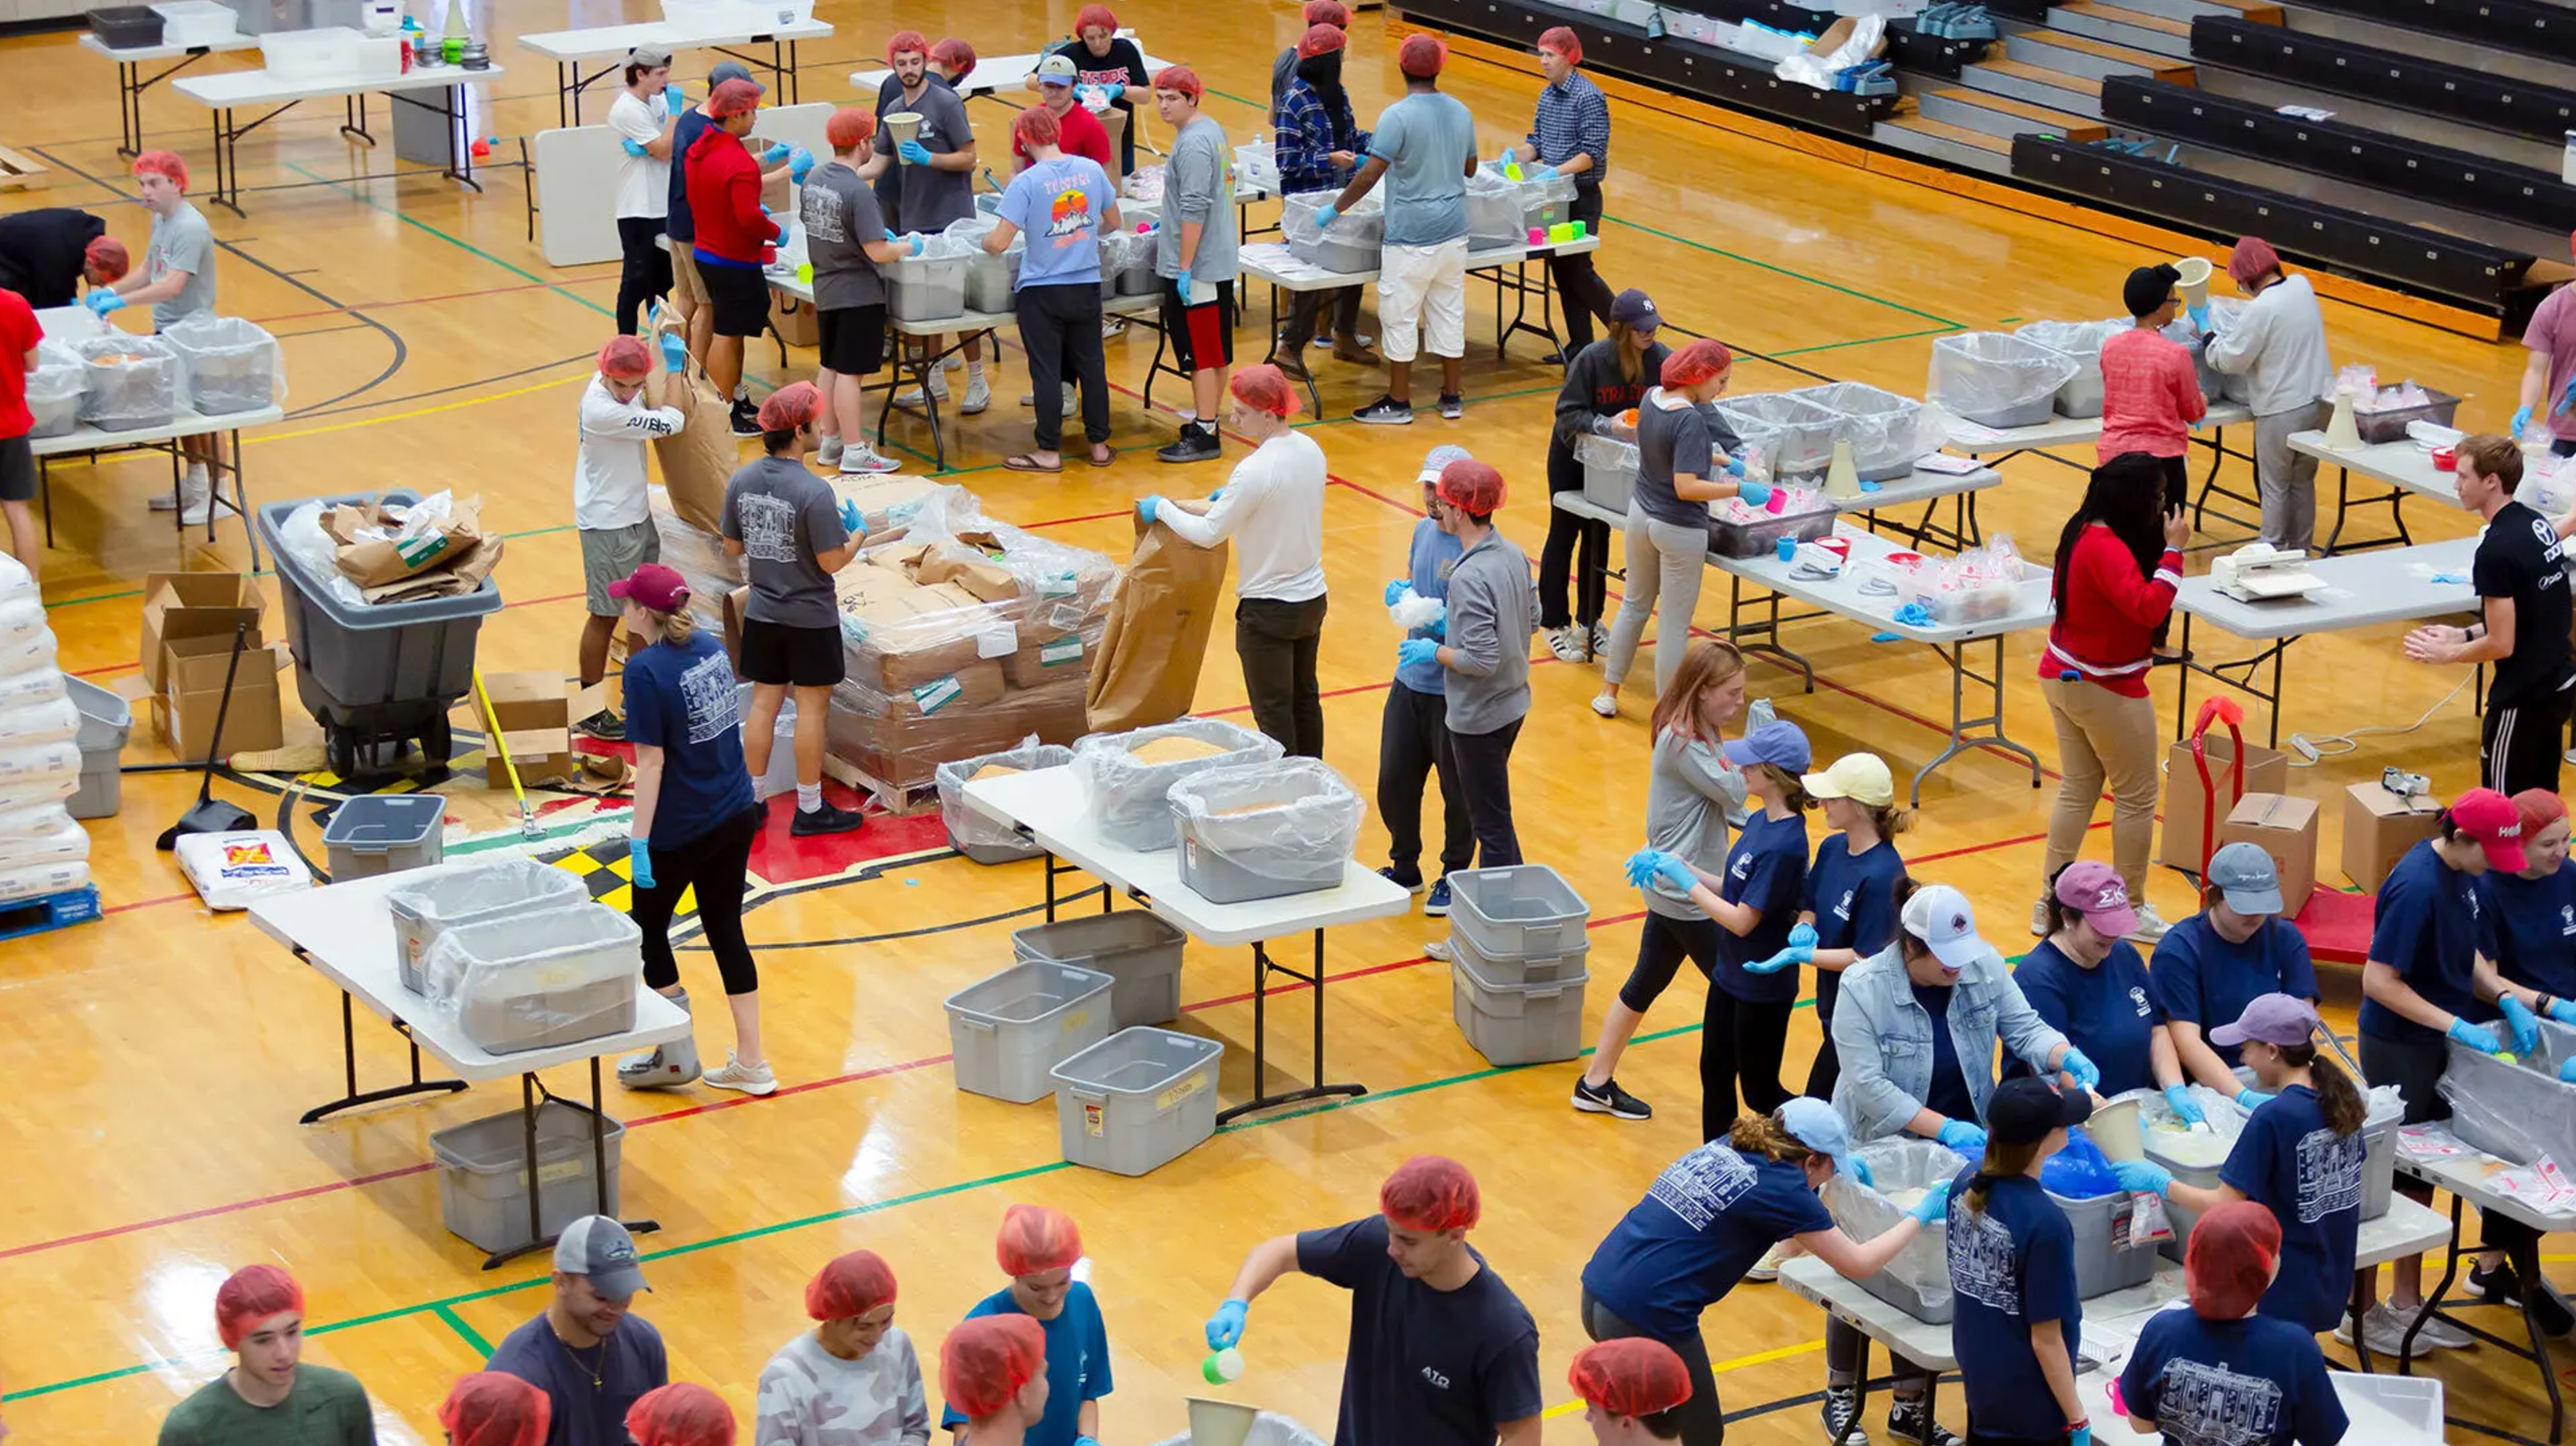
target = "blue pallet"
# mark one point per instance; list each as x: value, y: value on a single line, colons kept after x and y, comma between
x: 49, y: 911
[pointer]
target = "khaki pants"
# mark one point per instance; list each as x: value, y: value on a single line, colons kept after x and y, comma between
x: 2103, y: 738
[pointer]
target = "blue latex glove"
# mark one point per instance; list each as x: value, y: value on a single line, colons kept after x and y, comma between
x: 1397, y: 591
x: 1438, y: 627
x: 675, y: 98
x: 1147, y: 508
x: 633, y: 148
x: 914, y: 153
x: 1647, y: 865
x: 1114, y: 89
x: 2081, y: 1435
x: 2525, y: 1026
x: 1755, y: 494
x: 1860, y: 1172
x: 2184, y: 1108
x: 800, y: 164
x: 1803, y: 936
x: 784, y: 224
x: 851, y: 522
x: 1734, y: 466
x: 1673, y: 870
x: 2567, y: 1071
x: 1414, y: 651
x: 2566, y: 399
x: 2475, y: 1036
x: 102, y: 300
x: 2521, y: 420
x: 1213, y: 496
x: 1502, y: 157
x: 1782, y: 960
x: 1961, y: 1136
x: 2563, y: 1010
x: 675, y: 352
x: 2142, y: 1176
x: 1914, y: 615
x: 639, y: 858
x: 1181, y: 287
x: 915, y: 240
x: 1543, y: 173
x: 893, y: 235
x: 2199, y: 317
x: 778, y: 151
x: 1225, y: 1328
x: 2086, y: 1073
x: 1324, y: 215
x: 2249, y: 1098
x: 1933, y: 1208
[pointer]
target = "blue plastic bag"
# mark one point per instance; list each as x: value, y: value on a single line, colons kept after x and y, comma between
x: 2080, y: 1171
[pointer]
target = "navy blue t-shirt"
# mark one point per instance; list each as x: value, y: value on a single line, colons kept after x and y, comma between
x: 1949, y: 1095
x: 2012, y: 1264
x: 681, y: 225
x: 2534, y: 922
x: 2106, y: 1011
x: 1766, y: 868
x: 1426, y: 1367
x: 2429, y: 928
x: 2200, y: 978
x: 1704, y: 1222
x: 2310, y: 1178
x: 2250, y: 1382
x: 1853, y: 897
x: 681, y: 700
x: 591, y: 1389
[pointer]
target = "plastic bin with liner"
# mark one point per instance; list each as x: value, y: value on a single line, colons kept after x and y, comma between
x: 128, y: 383
x: 106, y: 721
x: 55, y: 388
x: 2236, y: 387
x: 483, y: 1174
x: 1139, y: 950
x: 229, y: 364
x: 1265, y: 830
x: 2390, y: 425
x: 1137, y: 1100
x: 1352, y: 243
x: 1996, y: 379
x: 385, y: 833
x: 1535, y: 1022
x: 2196, y: 1156
x: 2105, y: 1258
x: 1117, y: 253
x: 1256, y: 163
x: 2080, y: 396
x: 1136, y: 274
x: 1129, y: 776
x: 454, y: 898
x: 539, y: 980
x: 1887, y: 432
x: 1525, y: 911
x: 1795, y: 433
x: 1609, y: 470
x: 1495, y: 218
x: 296, y: 56
x: 971, y: 833
x: 932, y: 285
x: 375, y: 673
x: 1917, y: 1281
x: 993, y: 282
x: 2518, y: 1110
x: 1007, y: 1032
x: 1543, y: 203
x: 1731, y: 533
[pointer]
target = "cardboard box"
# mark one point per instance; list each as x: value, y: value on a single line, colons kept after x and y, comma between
x: 734, y: 602
x: 2286, y: 828
x: 1114, y: 121
x: 192, y: 696
x: 793, y: 320
x: 534, y: 713
x: 914, y: 634
x: 881, y: 496
x: 2267, y: 770
x: 2380, y: 826
x: 179, y: 605
x: 1037, y: 665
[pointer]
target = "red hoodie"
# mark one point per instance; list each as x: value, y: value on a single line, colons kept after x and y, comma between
x: 724, y: 197
x: 2106, y: 623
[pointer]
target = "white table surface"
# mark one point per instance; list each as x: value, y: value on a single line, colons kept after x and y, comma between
x: 611, y: 42
x: 1051, y: 804
x: 86, y: 438
x: 2399, y: 464
x: 1269, y: 262
x: 1970, y: 439
x: 95, y: 46
x: 1923, y: 484
x: 1842, y: 594
x: 2465, y: 1175
x: 995, y: 73
x: 256, y: 87
x: 347, y: 935
x: 2362, y: 589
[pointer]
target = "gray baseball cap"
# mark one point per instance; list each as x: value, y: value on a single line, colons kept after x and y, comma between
x: 650, y: 55
x: 600, y: 1248
x: 2243, y: 874
x: 728, y: 70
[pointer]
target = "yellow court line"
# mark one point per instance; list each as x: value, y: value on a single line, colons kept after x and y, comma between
x: 1758, y: 1358
x: 423, y: 412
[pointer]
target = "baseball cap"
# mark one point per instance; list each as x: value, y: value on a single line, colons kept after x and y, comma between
x: 1820, y: 1128
x: 1782, y: 745
x: 1439, y: 457
x: 1861, y: 777
x: 1939, y: 915
x: 2243, y: 875
x: 725, y: 70
x: 595, y: 1245
x: 2024, y: 1110
x: 2490, y: 818
x: 2282, y: 1019
x: 2096, y: 890
x: 657, y: 587
x: 1057, y: 70
x: 1635, y: 310
x: 650, y: 56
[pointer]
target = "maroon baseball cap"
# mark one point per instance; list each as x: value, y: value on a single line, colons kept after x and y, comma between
x: 2095, y: 889
x: 2490, y: 818
x: 662, y: 589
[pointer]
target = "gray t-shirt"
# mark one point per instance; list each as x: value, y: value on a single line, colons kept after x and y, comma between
x: 1426, y: 140
x: 841, y: 216
x: 1688, y: 790
x: 1198, y: 185
x: 182, y: 242
x: 1671, y: 440
x: 928, y: 199
x: 783, y: 514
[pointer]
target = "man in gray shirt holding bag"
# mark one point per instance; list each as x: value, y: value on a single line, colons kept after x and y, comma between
x: 1493, y: 609
x: 1195, y: 256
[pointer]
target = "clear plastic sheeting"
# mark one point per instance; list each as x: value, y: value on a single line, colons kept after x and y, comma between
x: 2518, y: 1110
x: 1917, y: 1281
x: 54, y: 390
x: 698, y: 556
x: 1351, y: 244
x: 2081, y: 395
x: 1131, y: 793
x: 983, y: 839
x: 1292, y: 822
x: 1495, y: 215
x: 231, y: 365
x: 1795, y: 433
x: 1888, y: 433
x: 2224, y: 312
x: 128, y: 383
x: 534, y: 981
x: 430, y: 903
x: 1996, y: 379
x: 302, y: 538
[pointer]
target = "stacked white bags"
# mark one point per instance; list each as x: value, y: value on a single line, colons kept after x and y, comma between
x: 42, y: 851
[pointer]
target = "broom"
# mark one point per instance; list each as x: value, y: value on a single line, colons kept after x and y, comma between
x: 492, y: 737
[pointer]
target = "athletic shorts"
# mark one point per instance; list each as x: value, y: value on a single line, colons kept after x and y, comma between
x: 17, y: 470
x: 2415, y: 1066
x: 1424, y: 285
x: 611, y: 554
x: 739, y: 296
x: 687, y: 291
x: 852, y: 339
x: 1202, y: 333
x: 777, y: 654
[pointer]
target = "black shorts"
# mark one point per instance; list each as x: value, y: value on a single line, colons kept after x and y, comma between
x: 17, y: 470
x: 2518, y: 743
x: 1202, y: 333
x: 2415, y: 1066
x: 852, y: 339
x: 784, y: 656
x: 739, y: 294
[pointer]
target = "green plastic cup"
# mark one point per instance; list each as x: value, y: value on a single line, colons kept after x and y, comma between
x: 1222, y: 1368
x: 805, y: 273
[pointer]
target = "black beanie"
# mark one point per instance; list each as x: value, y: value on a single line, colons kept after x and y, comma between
x: 2148, y: 288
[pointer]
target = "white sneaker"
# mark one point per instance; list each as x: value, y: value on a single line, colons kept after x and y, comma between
x: 979, y: 395
x: 829, y: 454
x: 1112, y: 326
x: 1605, y: 705
x: 197, y: 515
x: 2151, y: 925
x: 1567, y: 643
x: 661, y: 1068
x: 1438, y: 951
x: 735, y: 1075
x: 951, y: 362
x: 1072, y: 399
x: 865, y: 461
x: 913, y: 397
x: 2039, y: 919
x: 1600, y: 640
x: 165, y: 502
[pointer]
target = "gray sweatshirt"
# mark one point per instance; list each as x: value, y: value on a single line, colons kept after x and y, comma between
x: 1688, y: 789
x: 1493, y: 609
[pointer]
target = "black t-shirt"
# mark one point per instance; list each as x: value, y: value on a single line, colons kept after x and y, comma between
x: 40, y: 253
x: 1123, y: 65
x: 2520, y: 558
x: 1426, y: 1367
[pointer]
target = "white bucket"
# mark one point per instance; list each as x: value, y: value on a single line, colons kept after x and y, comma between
x: 1219, y: 1423
x: 2195, y: 280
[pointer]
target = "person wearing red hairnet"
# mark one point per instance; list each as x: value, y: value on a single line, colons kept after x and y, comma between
x: 682, y: 1413
x: 48, y: 253
x: 1038, y: 1249
x: 737, y: 238
x: 488, y: 1408
x: 1284, y: 69
x: 1631, y: 1390
x: 177, y: 280
x: 1060, y: 204
x: 1570, y: 137
x: 268, y: 1394
x: 994, y: 1373
x: 846, y: 240
x: 927, y: 184
x: 853, y: 1379
x: 1273, y: 507
x: 2218, y: 1373
x: 1317, y: 144
x: 1441, y: 1352
x: 610, y: 511
x: 592, y: 1358
x: 1108, y: 68
x: 688, y: 289
x: 1194, y: 254
x: 2278, y: 344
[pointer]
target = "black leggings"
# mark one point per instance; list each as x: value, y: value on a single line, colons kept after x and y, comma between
x: 1557, y: 560
x: 1661, y: 947
x: 1740, y: 1040
x: 1703, y: 1420
x: 1845, y: 1348
x: 646, y: 273
x: 715, y: 862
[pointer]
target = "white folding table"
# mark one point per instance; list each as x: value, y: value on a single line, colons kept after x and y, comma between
x: 345, y: 932
x: 2402, y: 466
x: 607, y: 45
x: 131, y: 82
x: 1972, y: 439
x: 88, y: 441
x: 1052, y: 807
x: 2467, y: 1176
x: 223, y: 94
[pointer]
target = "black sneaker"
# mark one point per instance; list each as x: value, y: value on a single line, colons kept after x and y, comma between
x: 602, y: 725
x: 2503, y: 1286
x: 1610, y: 1100
x: 826, y: 819
x: 1452, y: 405
x: 1909, y: 1423
x: 1196, y: 444
x: 746, y: 421
x: 1409, y: 880
x: 1385, y: 412
x: 1841, y: 1415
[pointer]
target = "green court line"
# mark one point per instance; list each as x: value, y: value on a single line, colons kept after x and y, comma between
x: 472, y: 1336
x: 1941, y: 321
x: 73, y: 602
x: 1865, y: 341
x: 361, y: 198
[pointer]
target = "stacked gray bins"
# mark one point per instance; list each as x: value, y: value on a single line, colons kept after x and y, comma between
x: 375, y: 674
x: 483, y: 1174
x: 1138, y: 1100
x: 429, y: 906
x: 385, y: 833
x: 2105, y: 1257
x: 1009, y: 1031
x: 1516, y: 976
x: 2516, y: 1111
x: 105, y: 721
x: 1137, y: 949
x: 1917, y: 1281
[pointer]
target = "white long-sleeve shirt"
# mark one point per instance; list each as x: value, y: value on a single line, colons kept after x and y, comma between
x: 2279, y: 344
x: 1273, y: 508
x: 608, y: 476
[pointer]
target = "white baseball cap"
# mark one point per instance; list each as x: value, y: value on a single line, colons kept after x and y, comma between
x: 1942, y: 918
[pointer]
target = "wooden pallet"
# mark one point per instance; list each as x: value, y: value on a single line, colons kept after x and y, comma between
x: 889, y: 797
x: 21, y: 172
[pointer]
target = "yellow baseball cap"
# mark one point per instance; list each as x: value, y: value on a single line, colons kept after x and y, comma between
x: 1861, y: 777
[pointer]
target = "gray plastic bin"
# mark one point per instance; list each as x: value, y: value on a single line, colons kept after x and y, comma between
x: 385, y: 833
x: 1609, y: 470
x: 1794, y: 433
x: 1516, y: 969
x: 483, y: 1174
x: 1009, y: 1030
x: 982, y: 839
x: 2105, y: 1261
x: 1138, y: 1100
x: 1917, y: 1281
x: 555, y: 977
x: 1518, y: 1023
x: 432, y: 904
x: 1266, y: 830
x: 1138, y: 949
x: 2519, y: 1111
x: 105, y: 722
x: 1525, y: 911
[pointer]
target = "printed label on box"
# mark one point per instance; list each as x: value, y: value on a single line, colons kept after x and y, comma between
x: 1062, y: 650
x: 1057, y: 585
x: 1093, y: 1122
x: 933, y: 696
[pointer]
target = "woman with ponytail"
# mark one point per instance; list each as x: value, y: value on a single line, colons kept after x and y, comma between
x: 2012, y: 1271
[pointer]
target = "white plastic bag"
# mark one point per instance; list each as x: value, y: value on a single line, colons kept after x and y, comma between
x: 229, y: 364
x: 54, y: 389
x: 1921, y: 1271
x: 302, y: 538
x: 236, y: 870
x: 1808, y: 68
x: 35, y: 724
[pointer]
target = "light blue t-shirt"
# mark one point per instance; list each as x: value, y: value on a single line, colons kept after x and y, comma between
x: 1077, y: 1359
x: 1425, y: 140
x: 1060, y: 206
x: 1434, y: 553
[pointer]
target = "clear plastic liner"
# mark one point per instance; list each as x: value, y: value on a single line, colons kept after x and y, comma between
x: 1917, y: 1281
x: 973, y: 834
x: 230, y: 364
x: 1496, y: 216
x: 428, y: 904
x: 302, y: 538
x: 534, y: 981
x: 54, y: 389
x: 1543, y: 203
x: 698, y: 556
x: 1351, y: 244
x: 2518, y: 1110
x: 1295, y: 821
x: 1888, y: 433
x: 2081, y: 396
x: 1795, y: 433
x: 139, y: 390
x: 932, y: 285
x: 1131, y: 798
x: 1997, y: 380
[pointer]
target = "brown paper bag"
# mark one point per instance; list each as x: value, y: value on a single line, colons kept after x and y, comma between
x: 697, y: 463
x: 1167, y: 599
x: 376, y: 563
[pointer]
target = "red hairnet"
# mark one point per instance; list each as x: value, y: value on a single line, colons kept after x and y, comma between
x: 2252, y: 257
x: 790, y: 407
x: 850, y: 1285
x: 1320, y: 40
x: 106, y: 255
x: 1697, y: 362
x: 2228, y: 1263
x: 986, y: 1360
x: 1036, y: 126
x: 2539, y: 808
x: 1476, y: 489
x: 849, y: 128
x: 1090, y: 15
x: 625, y: 356
x: 1034, y: 1238
x: 163, y: 163
x: 1434, y: 1192
x: 1564, y: 42
x: 488, y: 1408
x: 682, y: 1413
x: 1421, y: 56
x: 907, y: 40
x: 733, y: 98
x: 253, y: 1294
x: 1632, y: 1376
x: 1264, y: 388
x: 1328, y: 12
x: 1180, y: 80
x: 956, y: 55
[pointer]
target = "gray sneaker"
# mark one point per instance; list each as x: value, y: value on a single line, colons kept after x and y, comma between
x: 667, y: 1067
x: 2383, y: 1331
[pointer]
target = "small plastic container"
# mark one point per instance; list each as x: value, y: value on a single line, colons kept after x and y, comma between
x: 1958, y: 607
x: 2105, y: 1261
x: 535, y: 981
x: 1353, y: 244
x: 925, y: 288
x: 1131, y: 798
x: 230, y: 364
x: 1512, y: 970
x: 483, y: 1174
x: 385, y: 833
x: 106, y: 721
x: 1762, y: 538
x: 1609, y: 470
x: 1008, y: 1031
x: 1512, y: 1024
x: 1138, y: 1100
x: 452, y: 898
x: 127, y: 27
x: 993, y: 282
x: 292, y: 56
x: 128, y: 383
x: 1524, y: 911
x: 1137, y: 949
x: 1256, y: 163
x: 2390, y: 425
x: 196, y: 22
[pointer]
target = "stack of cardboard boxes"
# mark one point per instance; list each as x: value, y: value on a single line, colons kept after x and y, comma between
x: 189, y: 621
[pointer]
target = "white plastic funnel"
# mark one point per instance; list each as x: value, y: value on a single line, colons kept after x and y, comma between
x: 904, y: 124
x: 1219, y: 1423
x: 2114, y: 1128
x: 2195, y: 277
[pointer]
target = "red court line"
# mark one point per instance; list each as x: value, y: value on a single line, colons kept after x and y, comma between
x: 1086, y: 517
x: 142, y: 904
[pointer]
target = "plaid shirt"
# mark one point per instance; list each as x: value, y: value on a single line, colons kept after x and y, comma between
x: 1308, y: 136
x: 1573, y: 118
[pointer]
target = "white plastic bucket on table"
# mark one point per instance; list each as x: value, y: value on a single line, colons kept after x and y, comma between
x: 330, y: 53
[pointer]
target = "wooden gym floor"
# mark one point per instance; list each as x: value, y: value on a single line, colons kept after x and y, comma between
x: 163, y: 1054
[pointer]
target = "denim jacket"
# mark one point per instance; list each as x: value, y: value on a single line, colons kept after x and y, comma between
x: 1885, y: 1039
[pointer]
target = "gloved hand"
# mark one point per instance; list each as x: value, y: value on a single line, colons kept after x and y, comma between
x: 1961, y: 1136
x: 2475, y: 1036
x: 893, y: 235
x: 1601, y: 426
x: 675, y: 352
x: 2249, y: 1098
x: 639, y: 859
x: 1438, y: 627
x: 1213, y: 496
x: 1225, y: 1328
x: 2199, y: 317
x: 1650, y: 865
x: 1755, y: 494
x: 1415, y: 651
x: 675, y: 98
x: 1504, y: 157
x: 851, y: 522
x: 800, y: 164
x: 2525, y: 1026
x: 914, y: 240
x: 1933, y: 1208
x: 1324, y: 215
x: 1780, y: 961
x: 1113, y: 90
x: 2086, y: 1073
x: 1181, y: 287
x: 2080, y: 1435
x: 1397, y: 591
x: 102, y: 300
x: 1543, y: 173
x: 2184, y: 1107
x: 1803, y: 936
x: 2567, y: 1072
x: 1860, y: 1172
x: 2563, y: 1010
x: 1147, y: 508
x: 778, y: 151
x: 2143, y: 1176
x: 784, y: 224
x: 914, y: 153
x: 633, y: 147
x: 2521, y: 420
